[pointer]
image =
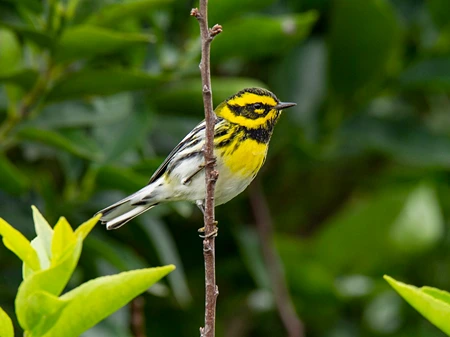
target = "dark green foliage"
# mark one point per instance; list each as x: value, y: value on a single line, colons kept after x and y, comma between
x: 94, y: 95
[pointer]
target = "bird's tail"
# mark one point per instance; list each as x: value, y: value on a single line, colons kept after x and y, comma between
x: 126, y: 209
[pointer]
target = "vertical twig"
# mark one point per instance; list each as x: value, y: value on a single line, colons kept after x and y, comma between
x: 283, y: 300
x: 137, y: 317
x: 211, y: 175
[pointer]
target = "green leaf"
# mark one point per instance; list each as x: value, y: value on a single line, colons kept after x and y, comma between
x: 6, y: 326
x: 120, y: 178
x: 85, y: 228
x: 430, y: 74
x: 10, y: 53
x: 432, y: 303
x: 27, y: 32
x: 47, y: 308
x: 43, y: 241
x: 102, y: 296
x: 439, y: 10
x: 100, y: 82
x: 86, y: 41
x: 33, y: 5
x: 362, y: 42
x: 258, y: 37
x: 63, y: 236
x: 52, y: 280
x: 57, y: 140
x: 111, y: 15
x: 185, y: 95
x: 25, y: 78
x: 13, y: 180
x: 19, y: 245
x: 220, y: 12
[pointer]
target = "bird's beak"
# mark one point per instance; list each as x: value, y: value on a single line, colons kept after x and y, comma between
x: 284, y: 105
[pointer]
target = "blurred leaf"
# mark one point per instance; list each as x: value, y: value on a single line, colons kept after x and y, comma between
x: 25, y: 78
x: 429, y: 74
x: 33, y: 5
x: 111, y: 15
x: 10, y: 53
x: 220, y: 11
x: 439, y: 10
x: 86, y: 41
x: 420, y: 225
x: 432, y: 303
x: 120, y: 178
x: 100, y: 82
x: 19, y: 245
x: 57, y: 140
x: 185, y: 95
x: 6, y: 326
x: 27, y: 32
x: 404, y: 143
x: 13, y: 180
x: 363, y: 38
x: 363, y: 236
x: 258, y: 37
x: 168, y: 253
x: 102, y: 296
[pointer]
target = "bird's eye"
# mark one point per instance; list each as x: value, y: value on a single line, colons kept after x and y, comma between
x: 257, y: 106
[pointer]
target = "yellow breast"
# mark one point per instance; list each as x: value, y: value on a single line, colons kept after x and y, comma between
x: 244, y: 158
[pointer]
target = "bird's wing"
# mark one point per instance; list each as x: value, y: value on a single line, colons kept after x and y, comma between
x: 186, y: 140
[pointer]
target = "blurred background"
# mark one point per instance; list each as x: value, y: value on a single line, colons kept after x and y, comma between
x: 95, y: 94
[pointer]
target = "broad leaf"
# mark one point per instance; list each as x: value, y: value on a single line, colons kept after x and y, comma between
x: 84, y: 41
x: 31, y: 34
x: 111, y: 15
x: 13, y: 180
x: 432, y: 303
x: 58, y: 140
x: 25, y: 78
x: 19, y: 245
x: 258, y: 37
x: 430, y: 74
x: 63, y: 236
x: 363, y: 38
x: 102, y: 296
x: 6, y: 326
x: 100, y: 82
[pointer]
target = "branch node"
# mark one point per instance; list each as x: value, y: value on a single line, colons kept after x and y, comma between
x: 206, y: 89
x: 215, y: 30
x: 196, y: 13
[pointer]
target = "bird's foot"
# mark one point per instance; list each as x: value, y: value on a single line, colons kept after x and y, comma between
x: 214, y: 233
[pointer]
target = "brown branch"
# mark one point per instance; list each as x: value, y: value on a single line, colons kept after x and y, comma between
x: 283, y: 300
x: 211, y: 175
x: 137, y: 317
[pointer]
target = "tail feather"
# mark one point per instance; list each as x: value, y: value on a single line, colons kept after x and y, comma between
x: 121, y: 212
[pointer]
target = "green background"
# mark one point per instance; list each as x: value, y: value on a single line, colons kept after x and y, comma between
x: 95, y: 94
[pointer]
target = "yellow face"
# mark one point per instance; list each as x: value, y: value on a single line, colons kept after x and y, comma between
x: 250, y: 108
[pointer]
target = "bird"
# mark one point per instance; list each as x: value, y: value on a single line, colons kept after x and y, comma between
x: 243, y: 127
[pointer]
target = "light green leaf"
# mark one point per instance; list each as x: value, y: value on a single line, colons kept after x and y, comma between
x: 43, y: 241
x: 432, y: 303
x: 43, y: 309
x: 19, y: 245
x: 6, y: 326
x: 63, y: 236
x: 10, y: 53
x: 102, y: 296
x: 85, y: 228
x: 261, y: 36
x: 52, y: 280
x: 362, y: 42
x: 85, y: 41
x: 13, y: 180
x: 420, y: 224
x: 100, y: 82
x: 58, y: 140
x: 111, y: 15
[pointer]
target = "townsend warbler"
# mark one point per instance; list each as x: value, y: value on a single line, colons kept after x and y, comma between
x: 243, y: 127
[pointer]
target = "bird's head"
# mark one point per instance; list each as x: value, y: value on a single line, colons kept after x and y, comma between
x: 252, y: 108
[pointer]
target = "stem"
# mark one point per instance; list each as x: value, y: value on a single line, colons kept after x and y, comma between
x: 211, y: 175
x: 280, y: 290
